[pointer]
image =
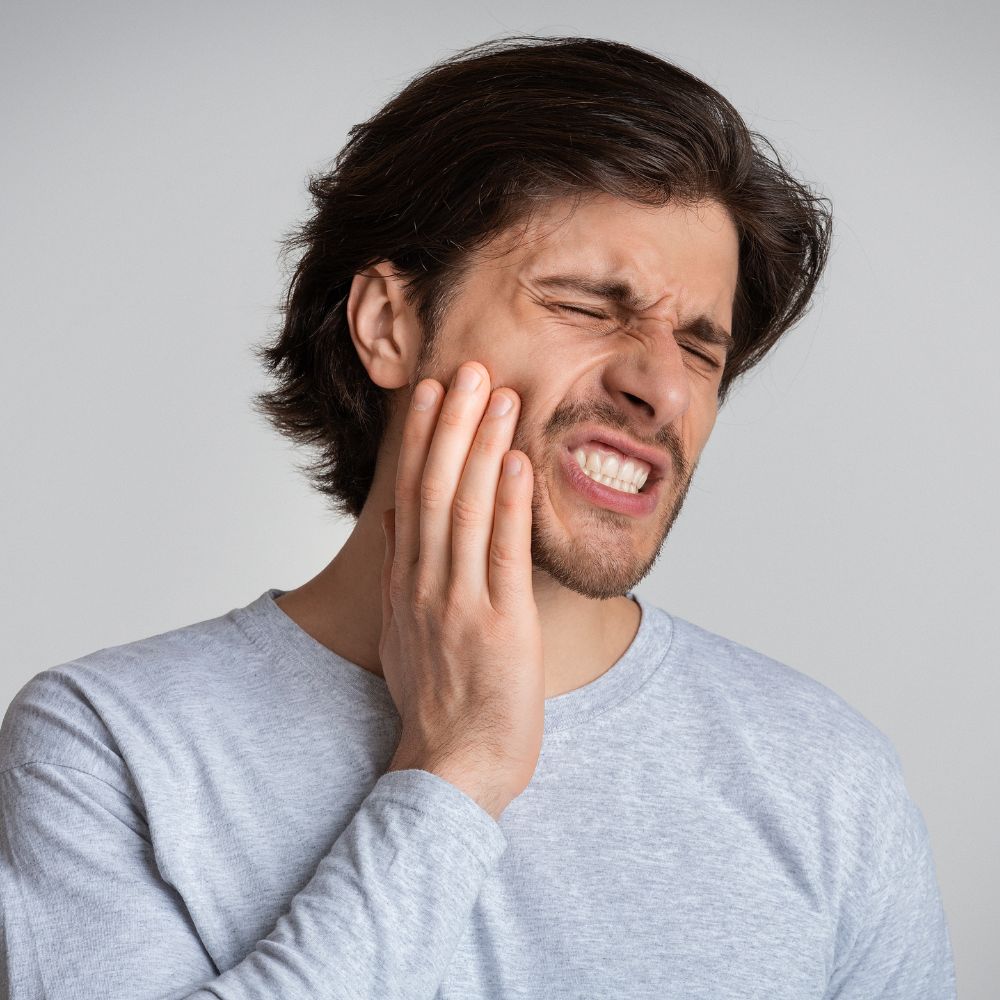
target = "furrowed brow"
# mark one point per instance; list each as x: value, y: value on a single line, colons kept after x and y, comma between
x: 610, y: 289
x: 708, y: 332
x: 622, y: 294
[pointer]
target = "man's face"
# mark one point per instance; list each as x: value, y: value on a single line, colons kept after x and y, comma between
x: 633, y: 375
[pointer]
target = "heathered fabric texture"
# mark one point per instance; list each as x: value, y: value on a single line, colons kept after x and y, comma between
x: 204, y: 813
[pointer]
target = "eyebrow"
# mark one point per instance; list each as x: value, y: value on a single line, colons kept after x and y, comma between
x: 622, y: 294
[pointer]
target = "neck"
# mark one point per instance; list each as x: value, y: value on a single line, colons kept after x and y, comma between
x: 341, y: 608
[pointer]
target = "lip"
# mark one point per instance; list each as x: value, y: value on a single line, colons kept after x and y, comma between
x: 658, y: 461
x: 634, y: 504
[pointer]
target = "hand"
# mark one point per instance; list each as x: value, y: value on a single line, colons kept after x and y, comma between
x: 461, y: 644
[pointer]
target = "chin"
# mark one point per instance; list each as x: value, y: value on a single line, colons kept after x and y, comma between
x: 599, y: 557
x: 579, y: 566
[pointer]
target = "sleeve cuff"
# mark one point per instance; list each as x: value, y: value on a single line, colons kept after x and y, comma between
x: 433, y: 796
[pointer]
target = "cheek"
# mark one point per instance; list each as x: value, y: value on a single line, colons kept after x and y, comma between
x: 549, y: 380
x: 541, y: 374
x: 540, y: 397
x: 511, y: 358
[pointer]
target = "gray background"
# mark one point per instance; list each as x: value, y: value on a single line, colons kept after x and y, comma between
x: 843, y: 516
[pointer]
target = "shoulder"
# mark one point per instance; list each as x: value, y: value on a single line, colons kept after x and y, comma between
x: 790, y: 746
x: 783, y: 709
x: 79, y: 713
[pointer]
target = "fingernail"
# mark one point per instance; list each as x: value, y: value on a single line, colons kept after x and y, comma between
x: 424, y: 396
x: 499, y: 404
x: 468, y: 378
x: 511, y: 464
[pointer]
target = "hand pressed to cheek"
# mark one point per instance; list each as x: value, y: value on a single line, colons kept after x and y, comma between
x: 461, y: 642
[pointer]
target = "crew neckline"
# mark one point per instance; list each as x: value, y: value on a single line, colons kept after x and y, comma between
x: 267, y: 625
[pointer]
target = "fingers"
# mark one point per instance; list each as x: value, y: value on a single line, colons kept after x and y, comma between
x: 461, y: 525
x: 417, y: 431
x: 472, y: 511
x: 510, y: 545
x: 460, y: 412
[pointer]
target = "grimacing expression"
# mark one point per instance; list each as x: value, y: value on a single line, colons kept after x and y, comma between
x: 579, y: 360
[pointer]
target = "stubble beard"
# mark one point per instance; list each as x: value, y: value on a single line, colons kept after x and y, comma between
x: 598, y: 557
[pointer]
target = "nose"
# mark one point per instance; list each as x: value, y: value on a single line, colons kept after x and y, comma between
x: 648, y: 379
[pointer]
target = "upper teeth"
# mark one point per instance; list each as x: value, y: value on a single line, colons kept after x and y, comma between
x: 629, y: 475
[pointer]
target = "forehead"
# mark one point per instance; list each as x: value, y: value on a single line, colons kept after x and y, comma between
x: 679, y: 254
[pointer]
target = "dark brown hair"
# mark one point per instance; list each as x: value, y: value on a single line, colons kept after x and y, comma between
x: 469, y: 148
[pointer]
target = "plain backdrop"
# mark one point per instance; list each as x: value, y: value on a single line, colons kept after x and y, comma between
x: 843, y: 517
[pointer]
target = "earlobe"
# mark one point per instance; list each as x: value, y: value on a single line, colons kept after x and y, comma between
x: 382, y: 326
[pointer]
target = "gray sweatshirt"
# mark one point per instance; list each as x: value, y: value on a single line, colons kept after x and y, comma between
x: 204, y: 814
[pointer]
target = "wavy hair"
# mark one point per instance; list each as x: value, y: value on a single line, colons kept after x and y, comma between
x: 473, y: 146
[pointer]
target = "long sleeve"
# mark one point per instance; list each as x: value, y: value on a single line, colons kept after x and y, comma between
x: 902, y: 949
x: 85, y: 911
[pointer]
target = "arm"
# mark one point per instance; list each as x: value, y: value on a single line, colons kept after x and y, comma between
x: 901, y: 949
x: 85, y: 911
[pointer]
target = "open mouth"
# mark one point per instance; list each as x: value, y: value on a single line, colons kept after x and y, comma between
x: 630, y: 490
x: 613, y: 469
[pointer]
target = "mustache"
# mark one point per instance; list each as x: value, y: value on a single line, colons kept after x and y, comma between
x: 564, y: 418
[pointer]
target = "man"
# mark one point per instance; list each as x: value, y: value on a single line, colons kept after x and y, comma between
x: 466, y: 759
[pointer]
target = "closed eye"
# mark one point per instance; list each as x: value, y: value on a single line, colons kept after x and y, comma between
x: 708, y: 359
x: 576, y: 309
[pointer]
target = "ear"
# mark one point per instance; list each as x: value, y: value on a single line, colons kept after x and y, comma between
x: 383, y: 327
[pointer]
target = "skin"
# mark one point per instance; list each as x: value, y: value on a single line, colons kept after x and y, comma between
x: 635, y: 374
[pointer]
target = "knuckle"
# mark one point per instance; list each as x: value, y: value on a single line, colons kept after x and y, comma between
x: 423, y: 595
x: 466, y: 512
x: 451, y: 416
x: 407, y: 494
x: 486, y: 444
x: 503, y: 556
x: 433, y: 493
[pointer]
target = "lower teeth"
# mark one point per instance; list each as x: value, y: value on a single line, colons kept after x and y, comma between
x: 615, y: 484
